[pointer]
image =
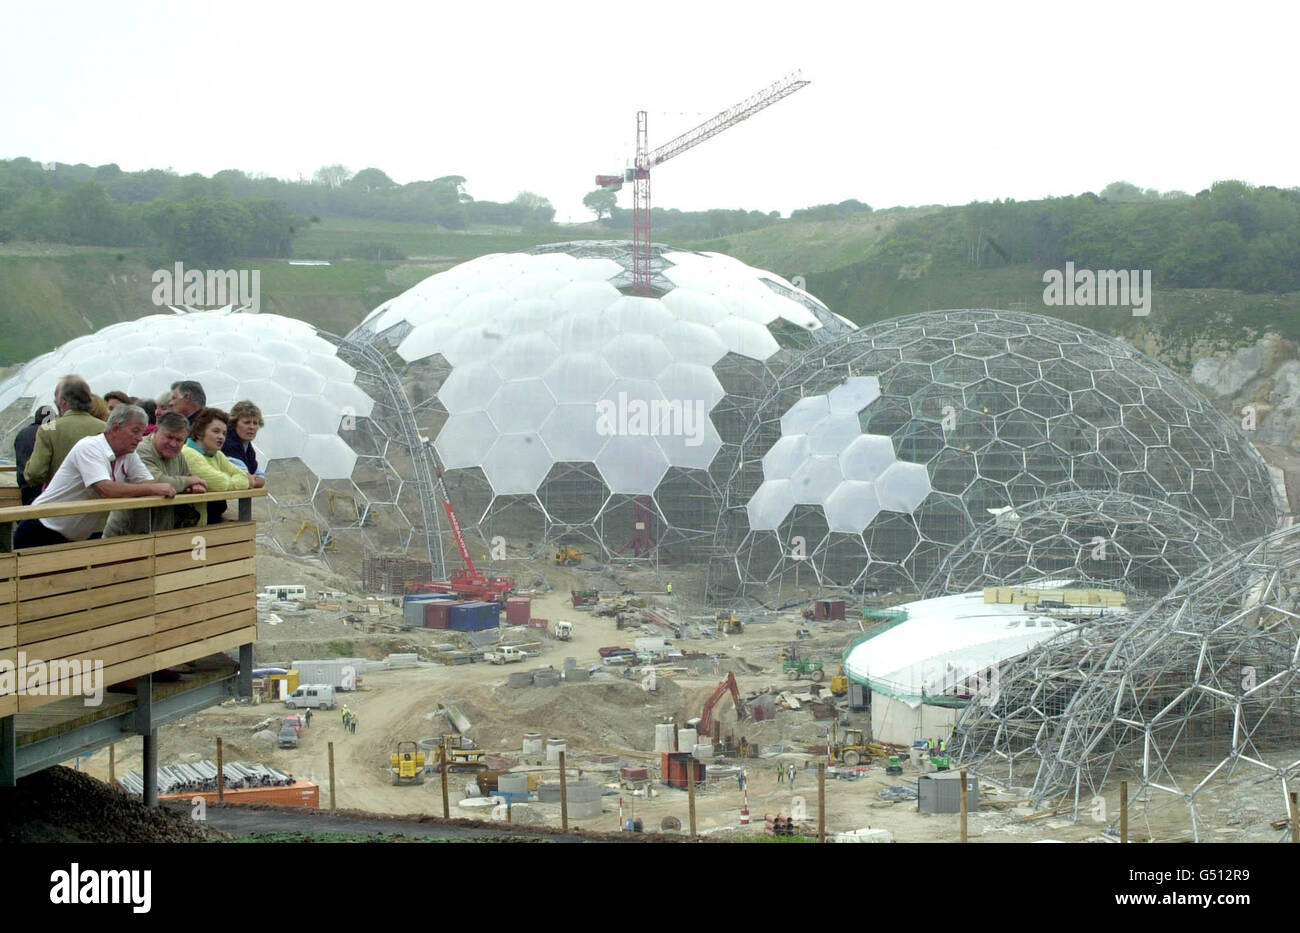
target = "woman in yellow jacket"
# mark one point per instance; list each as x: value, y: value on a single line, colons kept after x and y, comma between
x: 205, y: 459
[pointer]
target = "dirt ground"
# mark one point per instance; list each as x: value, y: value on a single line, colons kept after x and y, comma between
x: 609, y: 714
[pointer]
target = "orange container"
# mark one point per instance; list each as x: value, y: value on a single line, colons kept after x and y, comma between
x: 297, y: 794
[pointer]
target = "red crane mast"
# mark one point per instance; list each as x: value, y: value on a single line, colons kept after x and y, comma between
x: 646, y: 159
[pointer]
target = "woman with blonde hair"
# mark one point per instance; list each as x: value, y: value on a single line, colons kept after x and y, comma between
x: 245, y: 422
x: 99, y: 408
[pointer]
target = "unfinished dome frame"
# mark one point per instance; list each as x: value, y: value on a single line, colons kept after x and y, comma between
x: 1141, y: 546
x: 1196, y: 701
x: 996, y: 409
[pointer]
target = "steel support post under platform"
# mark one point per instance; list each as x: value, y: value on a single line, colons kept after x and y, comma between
x: 8, y: 752
x: 245, y: 688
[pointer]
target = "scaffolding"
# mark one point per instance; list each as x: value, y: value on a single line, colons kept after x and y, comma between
x: 1196, y: 701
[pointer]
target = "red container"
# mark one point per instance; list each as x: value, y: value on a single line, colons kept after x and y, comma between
x: 673, y: 769
x: 437, y: 613
x: 518, y: 610
x: 298, y: 794
x: 828, y: 609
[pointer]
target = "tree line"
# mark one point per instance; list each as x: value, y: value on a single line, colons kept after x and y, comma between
x: 1231, y: 235
x: 232, y: 214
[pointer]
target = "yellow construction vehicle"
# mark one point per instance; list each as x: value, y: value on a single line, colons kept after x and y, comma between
x: 406, y: 765
x: 839, y: 683
x: 851, y: 749
x: 728, y: 624
x: 568, y: 557
x: 462, y: 757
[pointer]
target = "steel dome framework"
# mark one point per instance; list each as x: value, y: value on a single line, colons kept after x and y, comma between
x: 998, y: 409
x: 1141, y: 546
x: 1196, y: 701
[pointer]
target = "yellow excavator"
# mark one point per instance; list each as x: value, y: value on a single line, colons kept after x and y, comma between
x: 568, y: 557
x: 406, y: 765
x: 461, y: 757
x: 729, y: 624
x: 839, y: 683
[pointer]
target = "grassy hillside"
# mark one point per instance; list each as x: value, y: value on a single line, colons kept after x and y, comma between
x: 50, y: 294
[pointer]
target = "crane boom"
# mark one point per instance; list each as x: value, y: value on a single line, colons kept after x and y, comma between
x: 728, y: 118
x: 646, y: 159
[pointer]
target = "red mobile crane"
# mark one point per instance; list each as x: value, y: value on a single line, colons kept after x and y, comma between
x: 639, y: 175
x: 466, y: 583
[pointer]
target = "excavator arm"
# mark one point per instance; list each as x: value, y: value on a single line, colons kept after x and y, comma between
x: 706, y: 718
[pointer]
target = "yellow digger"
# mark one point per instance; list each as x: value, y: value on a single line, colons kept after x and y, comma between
x: 852, y: 749
x: 568, y: 557
x: 406, y: 765
x: 839, y: 683
x: 461, y: 757
x: 729, y: 624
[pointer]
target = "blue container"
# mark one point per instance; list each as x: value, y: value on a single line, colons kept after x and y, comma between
x: 474, y: 616
x: 426, y: 597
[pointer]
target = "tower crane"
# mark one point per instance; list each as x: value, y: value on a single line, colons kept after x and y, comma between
x: 646, y: 159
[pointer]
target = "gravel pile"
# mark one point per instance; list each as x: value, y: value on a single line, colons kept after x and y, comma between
x: 62, y: 805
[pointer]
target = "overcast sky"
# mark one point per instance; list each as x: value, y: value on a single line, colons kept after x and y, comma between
x: 918, y: 104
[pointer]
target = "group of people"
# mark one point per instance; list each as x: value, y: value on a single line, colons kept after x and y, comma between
x: 349, y: 720
x: 141, y: 447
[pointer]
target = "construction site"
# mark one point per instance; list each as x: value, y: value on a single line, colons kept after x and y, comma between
x: 612, y: 537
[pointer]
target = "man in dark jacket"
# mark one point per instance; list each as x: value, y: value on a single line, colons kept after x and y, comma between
x: 23, y: 445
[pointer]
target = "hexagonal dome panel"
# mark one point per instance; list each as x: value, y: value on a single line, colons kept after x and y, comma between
x: 960, y: 415
x: 676, y: 371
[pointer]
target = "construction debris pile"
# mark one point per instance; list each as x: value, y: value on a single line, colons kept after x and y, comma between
x: 63, y: 805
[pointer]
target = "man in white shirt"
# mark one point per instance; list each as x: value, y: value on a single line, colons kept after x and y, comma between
x: 100, y: 466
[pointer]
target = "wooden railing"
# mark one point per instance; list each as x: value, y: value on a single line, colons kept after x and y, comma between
x: 137, y: 603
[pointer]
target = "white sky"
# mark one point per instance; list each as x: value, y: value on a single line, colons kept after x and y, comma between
x: 925, y: 103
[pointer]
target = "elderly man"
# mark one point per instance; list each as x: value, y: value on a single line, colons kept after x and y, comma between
x: 188, y: 398
x: 104, y: 466
x: 160, y: 454
x: 57, y: 436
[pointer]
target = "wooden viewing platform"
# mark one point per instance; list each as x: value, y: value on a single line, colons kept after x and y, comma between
x: 138, y: 605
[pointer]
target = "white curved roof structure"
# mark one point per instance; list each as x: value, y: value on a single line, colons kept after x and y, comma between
x: 541, y: 345
x: 280, y: 364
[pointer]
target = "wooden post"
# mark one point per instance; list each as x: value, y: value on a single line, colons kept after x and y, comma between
x: 221, y: 772
x: 442, y: 770
x: 1123, y: 811
x: 963, y: 806
x: 1295, y: 819
x: 821, y: 801
x: 331, y: 775
x: 564, y: 796
x: 112, y: 763
x: 690, y: 790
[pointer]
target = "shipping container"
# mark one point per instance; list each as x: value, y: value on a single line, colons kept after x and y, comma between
x: 474, y: 616
x: 826, y: 609
x: 297, y: 794
x: 438, y: 614
x: 519, y: 610
x: 340, y: 673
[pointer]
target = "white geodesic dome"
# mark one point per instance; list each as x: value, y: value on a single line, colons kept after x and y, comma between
x: 282, y: 365
x: 547, y: 387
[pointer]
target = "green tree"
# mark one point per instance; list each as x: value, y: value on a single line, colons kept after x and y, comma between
x: 602, y: 201
x: 371, y: 179
x: 332, y: 176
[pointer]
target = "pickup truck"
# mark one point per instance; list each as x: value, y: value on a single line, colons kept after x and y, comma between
x: 506, y: 654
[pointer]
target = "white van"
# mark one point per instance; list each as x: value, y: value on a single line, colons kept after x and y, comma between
x: 317, y: 696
